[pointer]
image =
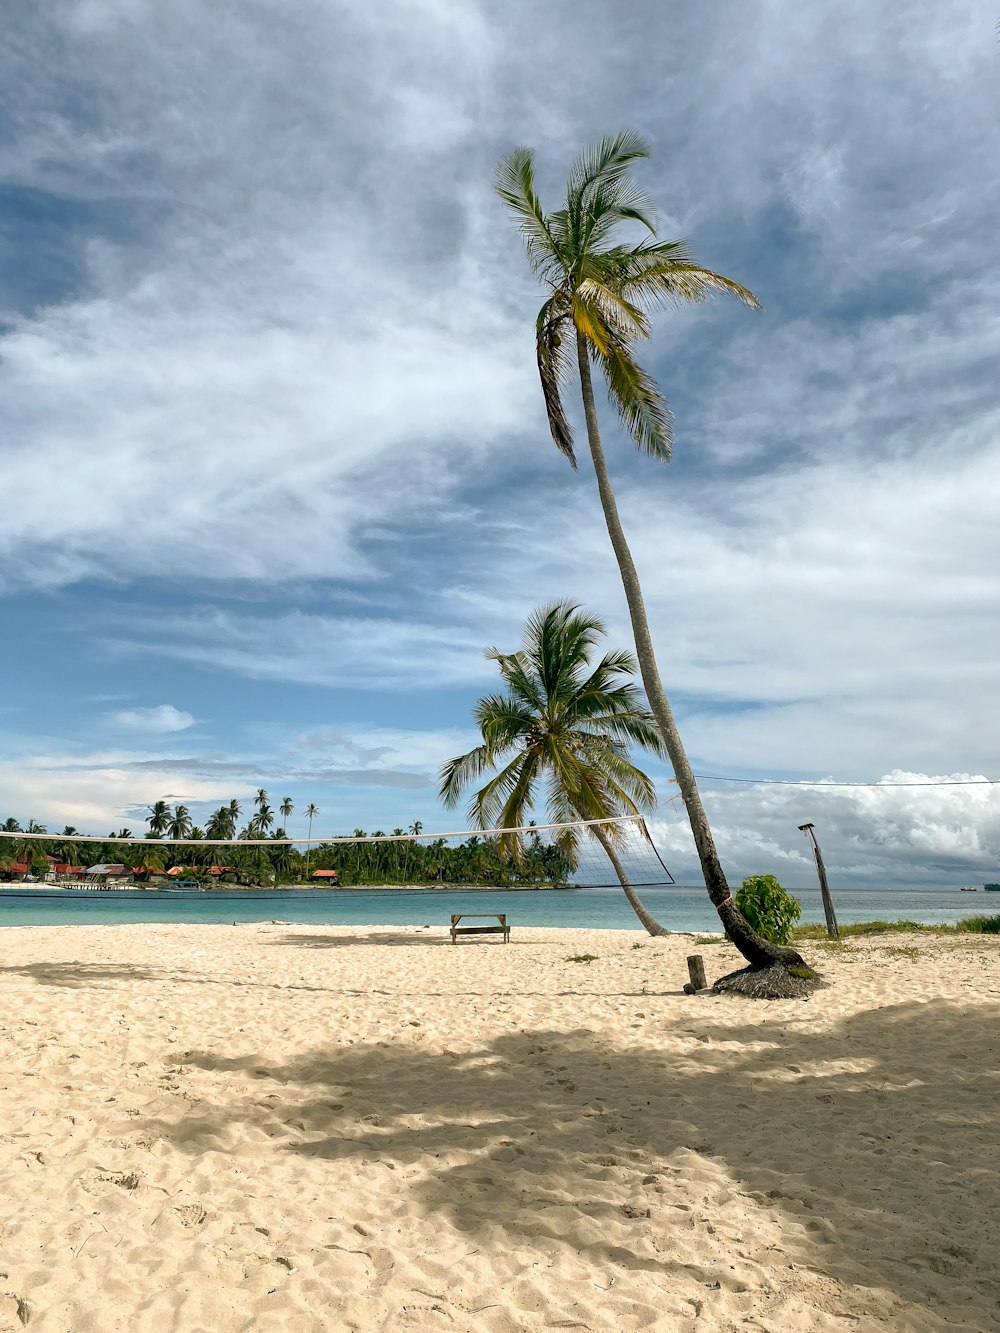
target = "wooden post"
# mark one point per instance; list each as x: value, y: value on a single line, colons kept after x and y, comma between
x: 696, y: 971
x: 832, y: 929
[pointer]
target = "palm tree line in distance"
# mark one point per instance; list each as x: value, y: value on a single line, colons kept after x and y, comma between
x: 600, y: 291
x: 368, y: 859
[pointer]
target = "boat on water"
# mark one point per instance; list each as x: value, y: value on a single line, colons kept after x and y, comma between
x: 969, y: 888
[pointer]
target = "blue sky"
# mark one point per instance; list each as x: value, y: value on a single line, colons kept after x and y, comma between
x: 275, y: 464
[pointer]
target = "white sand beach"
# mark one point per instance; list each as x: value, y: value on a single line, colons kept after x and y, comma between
x: 296, y: 1128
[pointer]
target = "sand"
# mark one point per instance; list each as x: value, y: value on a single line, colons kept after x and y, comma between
x: 277, y: 1127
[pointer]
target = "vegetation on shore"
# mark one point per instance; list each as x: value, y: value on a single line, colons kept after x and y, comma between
x: 405, y: 860
x: 970, y: 925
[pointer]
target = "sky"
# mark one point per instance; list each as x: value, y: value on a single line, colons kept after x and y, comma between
x: 275, y: 466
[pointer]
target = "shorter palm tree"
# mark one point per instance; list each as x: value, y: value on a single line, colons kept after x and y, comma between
x: 311, y: 812
x: 565, y: 724
x: 180, y: 823
x: 159, y: 818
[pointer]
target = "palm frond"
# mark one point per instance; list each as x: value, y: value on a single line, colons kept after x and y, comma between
x: 602, y: 304
x: 519, y: 677
x: 558, y: 639
x: 637, y: 728
x: 603, y: 163
x: 626, y: 785
x: 668, y: 282
x: 514, y: 182
x: 503, y: 722
x: 504, y: 800
x: 458, y: 773
x: 613, y: 202
x: 641, y: 407
x: 553, y: 366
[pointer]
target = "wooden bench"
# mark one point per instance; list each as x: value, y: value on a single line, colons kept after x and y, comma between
x: 501, y: 929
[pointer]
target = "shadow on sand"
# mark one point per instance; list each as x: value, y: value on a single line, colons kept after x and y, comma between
x: 75, y: 975
x: 891, y: 1176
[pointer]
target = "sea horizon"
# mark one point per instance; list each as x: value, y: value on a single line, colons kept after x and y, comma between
x: 678, y: 907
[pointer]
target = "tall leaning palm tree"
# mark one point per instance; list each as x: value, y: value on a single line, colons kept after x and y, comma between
x: 564, y: 724
x: 599, y: 294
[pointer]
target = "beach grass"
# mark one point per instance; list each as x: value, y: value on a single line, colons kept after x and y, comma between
x: 972, y: 925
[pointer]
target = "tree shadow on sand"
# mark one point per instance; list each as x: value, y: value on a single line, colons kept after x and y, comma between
x: 75, y: 975
x: 421, y: 936
x: 538, y: 1135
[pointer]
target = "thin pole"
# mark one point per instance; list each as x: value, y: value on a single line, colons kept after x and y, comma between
x: 832, y: 928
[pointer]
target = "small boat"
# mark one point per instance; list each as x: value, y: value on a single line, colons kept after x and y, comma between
x: 968, y: 888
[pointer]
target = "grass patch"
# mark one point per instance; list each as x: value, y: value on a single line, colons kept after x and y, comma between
x: 636, y: 946
x: 900, y: 951
x: 582, y: 958
x: 710, y: 939
x: 971, y: 925
x: 978, y: 925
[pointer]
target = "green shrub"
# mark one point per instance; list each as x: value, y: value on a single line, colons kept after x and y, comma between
x: 769, y: 908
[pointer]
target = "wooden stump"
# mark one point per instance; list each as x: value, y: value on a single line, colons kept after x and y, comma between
x: 696, y: 970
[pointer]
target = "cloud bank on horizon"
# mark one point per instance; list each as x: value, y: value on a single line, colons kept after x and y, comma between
x: 269, y: 408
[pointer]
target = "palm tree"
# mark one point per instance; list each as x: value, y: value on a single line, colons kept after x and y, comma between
x: 218, y: 824
x: 595, y: 313
x: 311, y: 812
x: 261, y: 798
x: 159, y: 819
x: 234, y: 814
x: 285, y: 808
x: 180, y: 823
x: 567, y: 724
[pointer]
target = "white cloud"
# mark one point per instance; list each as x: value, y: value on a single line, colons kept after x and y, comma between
x: 902, y: 830
x: 162, y: 718
x: 95, y: 792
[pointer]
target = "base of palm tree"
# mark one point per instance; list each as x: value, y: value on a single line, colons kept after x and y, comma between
x: 771, y: 983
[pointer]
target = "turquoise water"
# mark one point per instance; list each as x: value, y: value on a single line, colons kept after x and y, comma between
x: 679, y: 907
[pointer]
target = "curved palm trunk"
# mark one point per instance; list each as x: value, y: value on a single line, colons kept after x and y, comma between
x: 757, y: 951
x: 650, y: 922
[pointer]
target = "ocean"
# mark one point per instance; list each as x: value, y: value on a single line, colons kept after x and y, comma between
x: 680, y: 907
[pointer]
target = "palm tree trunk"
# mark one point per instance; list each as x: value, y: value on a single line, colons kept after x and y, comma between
x: 757, y: 951
x: 650, y: 922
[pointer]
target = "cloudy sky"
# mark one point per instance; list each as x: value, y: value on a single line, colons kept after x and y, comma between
x: 275, y: 467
